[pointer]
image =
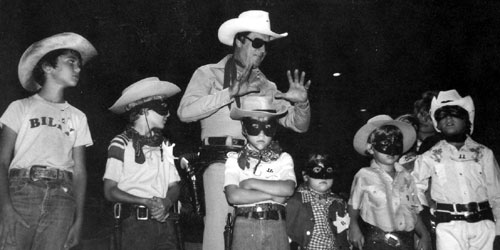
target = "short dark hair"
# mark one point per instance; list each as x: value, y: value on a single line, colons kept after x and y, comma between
x: 50, y: 59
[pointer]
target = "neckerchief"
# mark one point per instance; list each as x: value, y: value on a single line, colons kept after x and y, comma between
x: 139, y: 141
x: 270, y: 153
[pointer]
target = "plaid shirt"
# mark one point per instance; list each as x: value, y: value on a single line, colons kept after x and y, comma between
x: 322, y: 238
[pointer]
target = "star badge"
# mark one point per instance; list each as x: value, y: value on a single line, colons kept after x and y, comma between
x: 341, y: 223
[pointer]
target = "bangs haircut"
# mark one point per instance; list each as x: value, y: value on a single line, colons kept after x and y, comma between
x: 51, y: 60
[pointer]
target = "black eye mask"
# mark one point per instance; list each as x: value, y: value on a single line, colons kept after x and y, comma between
x: 389, y: 145
x: 320, y: 171
x: 253, y: 127
x: 453, y: 111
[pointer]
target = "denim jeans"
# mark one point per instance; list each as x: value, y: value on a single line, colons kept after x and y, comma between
x: 148, y: 235
x: 47, y: 207
x: 254, y: 234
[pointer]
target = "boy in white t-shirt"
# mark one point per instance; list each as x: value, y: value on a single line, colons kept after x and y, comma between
x: 42, y: 149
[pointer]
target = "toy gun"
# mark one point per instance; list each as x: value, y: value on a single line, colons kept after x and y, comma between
x: 228, y: 232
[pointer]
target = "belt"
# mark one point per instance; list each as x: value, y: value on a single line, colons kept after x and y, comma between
x: 471, y: 217
x: 37, y: 172
x: 265, y: 211
x: 124, y: 210
x: 460, y: 208
x: 223, y: 141
x: 393, y: 239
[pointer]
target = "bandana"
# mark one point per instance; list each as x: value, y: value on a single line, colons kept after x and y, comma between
x: 270, y: 153
x: 139, y: 141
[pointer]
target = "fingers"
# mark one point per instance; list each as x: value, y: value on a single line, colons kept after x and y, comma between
x: 307, y: 85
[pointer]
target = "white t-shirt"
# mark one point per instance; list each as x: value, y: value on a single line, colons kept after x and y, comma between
x: 147, y: 180
x: 279, y: 170
x: 46, y: 132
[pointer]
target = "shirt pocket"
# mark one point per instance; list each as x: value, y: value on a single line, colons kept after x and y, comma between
x: 376, y: 196
x: 440, y: 172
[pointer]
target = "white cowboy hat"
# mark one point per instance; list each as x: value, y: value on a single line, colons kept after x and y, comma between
x: 37, y: 50
x: 452, y: 98
x: 143, y: 91
x: 257, y: 106
x: 253, y: 21
x: 360, y: 141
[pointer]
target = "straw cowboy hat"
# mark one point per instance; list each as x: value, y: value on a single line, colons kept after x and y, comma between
x: 252, y: 21
x: 37, y: 50
x: 257, y: 106
x: 145, y: 90
x: 452, y: 98
x: 361, y: 138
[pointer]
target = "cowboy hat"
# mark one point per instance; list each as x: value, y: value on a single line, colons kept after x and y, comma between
x: 253, y: 21
x: 143, y: 91
x: 452, y: 98
x: 37, y: 50
x: 257, y: 106
x: 361, y: 138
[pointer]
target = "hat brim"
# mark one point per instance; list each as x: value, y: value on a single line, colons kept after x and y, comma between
x: 360, y: 141
x: 231, y: 27
x: 238, y: 113
x: 37, y: 50
x: 138, y: 92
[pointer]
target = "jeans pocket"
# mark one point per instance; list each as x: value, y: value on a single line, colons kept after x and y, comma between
x: 17, y: 185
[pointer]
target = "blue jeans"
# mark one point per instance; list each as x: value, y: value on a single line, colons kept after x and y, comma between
x: 48, y: 208
x: 254, y: 234
x: 148, y: 235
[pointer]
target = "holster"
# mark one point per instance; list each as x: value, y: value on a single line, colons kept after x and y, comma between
x: 228, y: 232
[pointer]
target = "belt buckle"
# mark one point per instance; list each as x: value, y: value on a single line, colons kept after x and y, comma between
x: 33, y: 172
x: 392, y: 240
x: 472, y: 207
x: 142, y: 212
x: 117, y: 210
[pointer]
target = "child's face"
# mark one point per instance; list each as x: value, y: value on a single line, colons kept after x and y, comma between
x: 319, y: 185
x: 259, y: 131
x: 451, y: 120
x: 157, y: 115
x: 381, y: 158
x: 67, y: 70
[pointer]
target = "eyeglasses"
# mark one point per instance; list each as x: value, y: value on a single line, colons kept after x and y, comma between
x: 257, y: 43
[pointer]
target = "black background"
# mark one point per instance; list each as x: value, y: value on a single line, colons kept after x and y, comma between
x: 388, y: 53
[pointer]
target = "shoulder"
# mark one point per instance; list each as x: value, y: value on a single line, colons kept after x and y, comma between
x: 120, y: 140
x: 76, y: 111
x: 232, y: 155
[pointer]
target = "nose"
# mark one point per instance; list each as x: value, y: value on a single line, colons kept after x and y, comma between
x: 77, y: 68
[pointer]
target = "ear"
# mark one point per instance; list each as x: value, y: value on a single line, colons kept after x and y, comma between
x: 46, y: 67
x: 305, y: 177
x: 369, y: 148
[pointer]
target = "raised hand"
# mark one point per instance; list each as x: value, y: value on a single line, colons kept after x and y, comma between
x: 297, y: 92
x: 242, y: 86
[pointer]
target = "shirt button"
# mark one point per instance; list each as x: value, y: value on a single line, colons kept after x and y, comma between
x: 308, y: 233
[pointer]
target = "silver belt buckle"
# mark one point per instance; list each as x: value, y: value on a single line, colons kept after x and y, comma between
x: 142, y: 212
x: 392, y: 240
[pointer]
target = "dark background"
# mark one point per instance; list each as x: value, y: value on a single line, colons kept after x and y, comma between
x: 388, y: 53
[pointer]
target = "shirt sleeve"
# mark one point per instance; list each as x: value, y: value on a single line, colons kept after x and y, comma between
x: 203, y: 97
x: 114, y: 163
x: 421, y: 173
x: 287, y: 172
x: 232, y: 172
x: 357, y: 189
x: 12, y: 117
x: 83, y: 137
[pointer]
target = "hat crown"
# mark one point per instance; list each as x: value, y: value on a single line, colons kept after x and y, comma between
x: 448, y: 96
x: 379, y: 118
x: 260, y: 17
x: 257, y: 103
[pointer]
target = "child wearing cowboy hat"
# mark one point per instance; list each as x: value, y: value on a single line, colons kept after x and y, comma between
x: 140, y: 171
x: 259, y: 178
x: 317, y: 218
x: 42, y: 149
x: 465, y: 188
x: 383, y: 205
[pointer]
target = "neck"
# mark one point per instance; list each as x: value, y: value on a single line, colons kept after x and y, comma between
x: 52, y: 94
x: 388, y: 168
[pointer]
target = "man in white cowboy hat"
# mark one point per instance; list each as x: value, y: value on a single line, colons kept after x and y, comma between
x: 259, y: 179
x: 465, y: 178
x: 42, y: 149
x: 215, y: 88
x: 140, y: 176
